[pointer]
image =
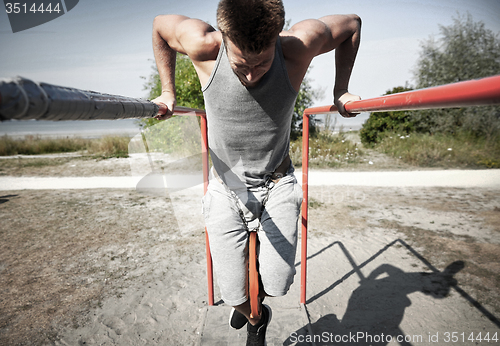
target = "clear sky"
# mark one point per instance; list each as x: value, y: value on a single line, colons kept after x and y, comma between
x: 105, y: 45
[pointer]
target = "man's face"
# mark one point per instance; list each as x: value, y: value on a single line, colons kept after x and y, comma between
x: 249, y: 67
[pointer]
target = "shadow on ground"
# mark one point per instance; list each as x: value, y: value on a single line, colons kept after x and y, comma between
x: 377, y: 306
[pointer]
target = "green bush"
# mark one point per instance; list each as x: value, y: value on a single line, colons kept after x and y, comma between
x: 380, y: 122
x: 480, y: 121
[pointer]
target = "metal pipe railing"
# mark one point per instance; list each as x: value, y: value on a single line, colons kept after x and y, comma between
x: 24, y: 99
x: 478, y: 92
x: 205, y: 160
x: 305, y: 191
x: 205, y: 153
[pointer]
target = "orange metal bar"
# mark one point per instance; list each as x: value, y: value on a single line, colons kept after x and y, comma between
x: 478, y: 92
x: 178, y: 110
x: 319, y: 110
x: 305, y: 191
x: 204, y: 151
x: 253, y: 275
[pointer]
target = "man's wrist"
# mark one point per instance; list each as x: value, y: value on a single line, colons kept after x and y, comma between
x: 339, y: 92
x: 168, y: 91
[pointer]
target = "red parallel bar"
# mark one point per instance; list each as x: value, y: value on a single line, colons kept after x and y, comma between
x: 305, y: 191
x: 178, y: 110
x: 204, y: 150
x: 253, y: 275
x: 478, y: 92
x: 319, y: 110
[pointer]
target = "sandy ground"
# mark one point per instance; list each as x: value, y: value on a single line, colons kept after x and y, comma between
x: 115, y: 267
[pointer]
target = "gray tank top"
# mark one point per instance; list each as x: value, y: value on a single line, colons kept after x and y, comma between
x: 248, y: 128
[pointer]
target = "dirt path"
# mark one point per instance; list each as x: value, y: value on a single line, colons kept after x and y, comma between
x: 111, y: 266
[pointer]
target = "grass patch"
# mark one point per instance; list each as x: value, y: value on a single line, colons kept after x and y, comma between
x: 109, y: 147
x: 35, y: 145
x: 327, y: 150
x: 440, y: 150
x: 21, y: 163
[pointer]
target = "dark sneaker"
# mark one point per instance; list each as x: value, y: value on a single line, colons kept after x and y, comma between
x: 236, y: 319
x: 256, y: 335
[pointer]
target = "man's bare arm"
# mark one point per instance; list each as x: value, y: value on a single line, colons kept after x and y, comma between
x: 335, y: 32
x: 174, y: 34
x: 347, y: 30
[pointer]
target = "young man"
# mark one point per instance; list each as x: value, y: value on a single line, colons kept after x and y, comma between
x: 250, y: 71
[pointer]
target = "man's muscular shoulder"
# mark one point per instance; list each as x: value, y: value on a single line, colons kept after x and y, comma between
x: 190, y: 36
x: 200, y: 41
x: 304, y: 40
x: 300, y: 45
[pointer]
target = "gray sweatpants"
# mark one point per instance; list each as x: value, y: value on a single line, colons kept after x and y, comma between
x: 272, y: 209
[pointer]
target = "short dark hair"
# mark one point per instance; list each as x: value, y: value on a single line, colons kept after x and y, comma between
x: 252, y: 25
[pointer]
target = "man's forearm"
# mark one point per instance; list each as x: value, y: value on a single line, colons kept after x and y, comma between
x: 165, y: 57
x: 345, y: 55
x: 165, y: 62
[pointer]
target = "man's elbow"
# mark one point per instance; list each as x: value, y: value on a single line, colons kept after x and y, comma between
x: 356, y: 21
x: 167, y: 19
x: 158, y: 19
x: 157, y: 22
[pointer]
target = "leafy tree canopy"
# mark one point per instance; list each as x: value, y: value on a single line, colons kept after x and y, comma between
x: 380, y: 122
x: 464, y: 50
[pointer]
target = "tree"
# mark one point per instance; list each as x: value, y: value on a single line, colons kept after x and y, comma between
x: 179, y: 135
x: 379, y: 122
x: 465, y: 50
x: 187, y: 86
x: 305, y: 98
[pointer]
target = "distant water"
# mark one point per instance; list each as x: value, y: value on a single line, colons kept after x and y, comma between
x: 121, y: 127
x: 346, y: 124
x: 58, y: 129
